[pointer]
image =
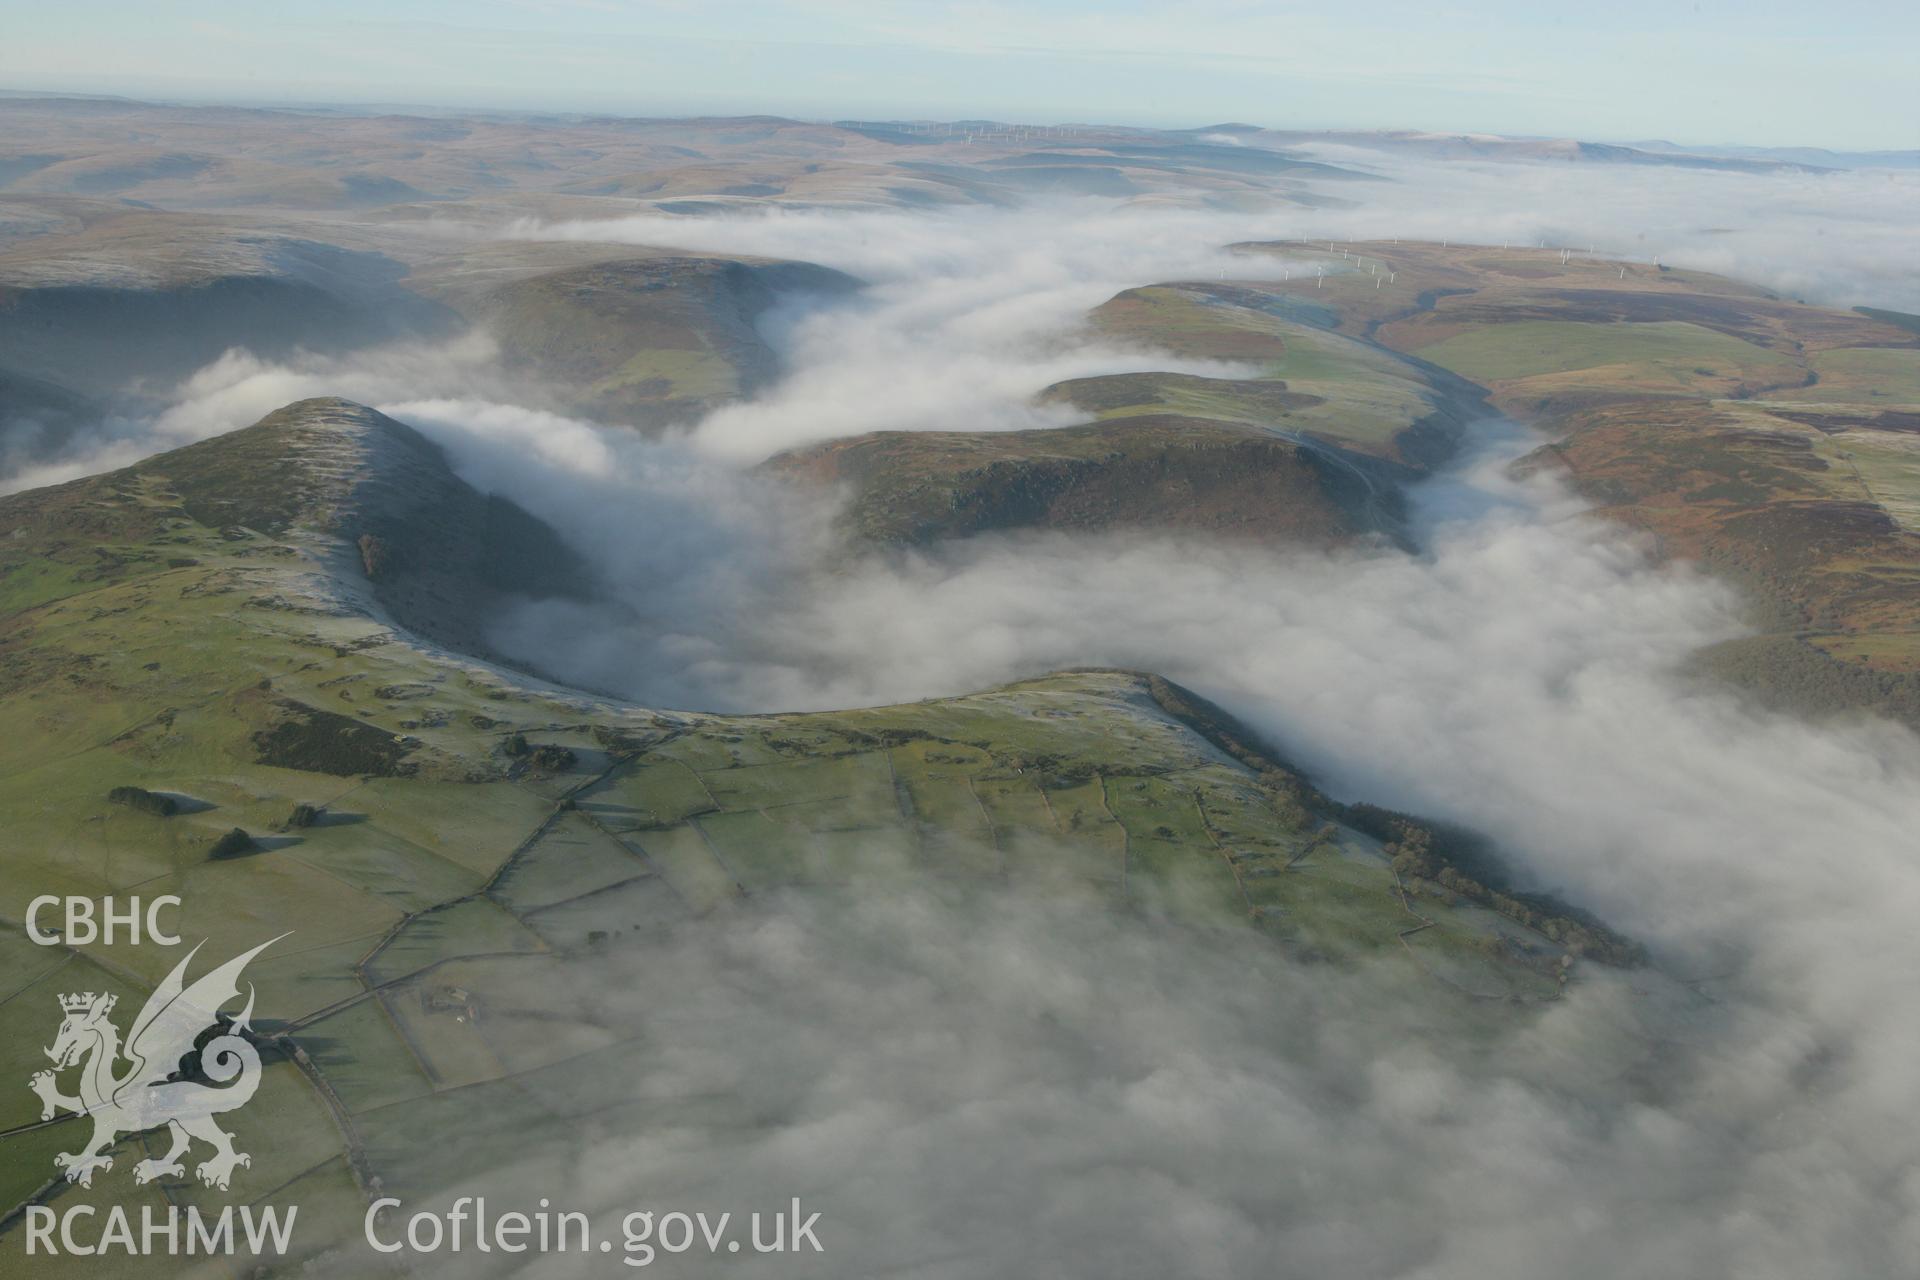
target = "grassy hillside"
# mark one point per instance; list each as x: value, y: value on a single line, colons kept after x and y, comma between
x: 1554, y: 360
x: 625, y: 335
x: 364, y: 502
x: 446, y: 837
x: 1771, y: 441
x: 108, y: 297
x: 100, y: 300
x: 1338, y: 388
x: 1144, y: 471
x: 1812, y: 511
x: 1311, y: 444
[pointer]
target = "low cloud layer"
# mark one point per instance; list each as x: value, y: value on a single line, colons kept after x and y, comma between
x: 967, y: 313
x: 1001, y: 1087
x: 240, y: 388
x: 990, y: 1085
x: 1739, y: 1112
x: 1837, y: 239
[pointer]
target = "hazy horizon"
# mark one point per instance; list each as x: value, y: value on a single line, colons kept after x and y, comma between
x: 375, y: 106
x: 757, y: 636
x: 1837, y: 79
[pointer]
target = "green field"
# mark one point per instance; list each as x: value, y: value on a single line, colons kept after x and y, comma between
x: 1880, y: 376
x: 473, y: 840
x: 1344, y: 390
x: 1652, y: 358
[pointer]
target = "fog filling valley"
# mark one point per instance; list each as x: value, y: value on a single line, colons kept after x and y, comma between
x: 1127, y: 1099
x: 970, y: 1084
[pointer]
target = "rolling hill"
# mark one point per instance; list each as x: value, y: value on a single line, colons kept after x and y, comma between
x: 344, y: 162
x: 105, y: 307
x: 1151, y: 472
x: 1313, y: 448
x: 624, y: 335
x: 449, y: 839
x: 1769, y: 440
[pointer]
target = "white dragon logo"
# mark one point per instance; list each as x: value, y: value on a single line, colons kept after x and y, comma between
x: 150, y: 1094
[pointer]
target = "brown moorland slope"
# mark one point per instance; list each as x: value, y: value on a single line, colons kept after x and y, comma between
x: 1772, y: 441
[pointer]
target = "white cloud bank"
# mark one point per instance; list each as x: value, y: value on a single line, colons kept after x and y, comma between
x: 1000, y: 1089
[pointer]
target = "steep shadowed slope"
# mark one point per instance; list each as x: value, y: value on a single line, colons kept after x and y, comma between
x: 373, y: 503
x: 1150, y: 472
x: 629, y: 336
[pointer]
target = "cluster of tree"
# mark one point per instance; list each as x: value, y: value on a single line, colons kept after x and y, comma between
x: 623, y: 742
x: 231, y: 845
x: 546, y: 757
x: 1416, y: 854
x: 1788, y: 674
x: 143, y: 800
x: 887, y: 737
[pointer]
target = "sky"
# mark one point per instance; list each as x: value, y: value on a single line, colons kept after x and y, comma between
x: 1757, y: 72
